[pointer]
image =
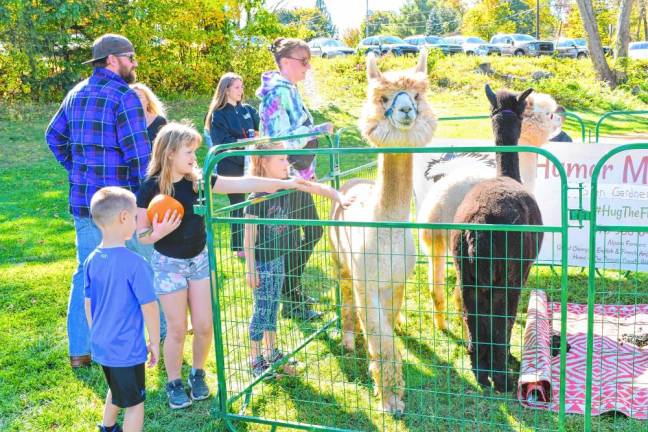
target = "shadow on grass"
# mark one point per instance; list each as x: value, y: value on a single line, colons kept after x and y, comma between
x: 316, y: 407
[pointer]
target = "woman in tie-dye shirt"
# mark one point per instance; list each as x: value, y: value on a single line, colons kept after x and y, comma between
x: 282, y: 112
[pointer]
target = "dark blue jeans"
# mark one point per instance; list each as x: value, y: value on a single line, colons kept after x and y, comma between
x: 266, y: 297
x: 88, y: 238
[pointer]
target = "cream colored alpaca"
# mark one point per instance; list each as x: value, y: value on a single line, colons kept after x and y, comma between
x: 374, y: 264
x: 444, y: 196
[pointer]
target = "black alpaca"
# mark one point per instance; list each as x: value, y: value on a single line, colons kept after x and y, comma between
x: 493, y: 266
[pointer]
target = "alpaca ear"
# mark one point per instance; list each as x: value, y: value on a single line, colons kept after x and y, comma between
x: 372, y: 67
x: 524, y: 94
x: 490, y: 94
x: 421, y: 66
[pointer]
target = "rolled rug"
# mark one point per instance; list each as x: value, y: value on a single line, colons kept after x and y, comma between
x: 534, y: 384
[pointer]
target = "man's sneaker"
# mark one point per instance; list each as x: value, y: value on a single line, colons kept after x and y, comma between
x: 177, y: 395
x: 258, y: 366
x: 198, y: 386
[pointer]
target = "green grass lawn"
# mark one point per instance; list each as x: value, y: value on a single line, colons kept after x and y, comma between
x: 38, y: 390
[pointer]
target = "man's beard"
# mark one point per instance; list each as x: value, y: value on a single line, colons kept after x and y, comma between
x: 128, y: 74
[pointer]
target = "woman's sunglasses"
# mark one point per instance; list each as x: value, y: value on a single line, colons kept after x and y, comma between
x: 304, y: 61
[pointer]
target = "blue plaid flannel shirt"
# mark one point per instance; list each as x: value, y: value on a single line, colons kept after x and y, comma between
x: 99, y: 136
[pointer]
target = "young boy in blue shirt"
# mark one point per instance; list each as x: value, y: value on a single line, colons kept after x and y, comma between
x: 119, y: 300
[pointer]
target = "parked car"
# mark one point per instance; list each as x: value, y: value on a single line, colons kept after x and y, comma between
x: 434, y: 42
x: 382, y: 45
x: 327, y: 48
x: 473, y: 45
x: 570, y: 45
x: 516, y: 44
x: 638, y: 50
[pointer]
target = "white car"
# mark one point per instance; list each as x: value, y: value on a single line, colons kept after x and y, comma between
x: 327, y: 48
x: 638, y: 50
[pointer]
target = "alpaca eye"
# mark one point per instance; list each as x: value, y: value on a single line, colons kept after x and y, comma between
x: 416, y: 97
x: 384, y: 99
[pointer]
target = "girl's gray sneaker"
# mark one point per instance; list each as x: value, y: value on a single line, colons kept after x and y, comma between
x: 287, y: 368
x: 258, y: 366
x: 177, y: 395
x: 198, y: 386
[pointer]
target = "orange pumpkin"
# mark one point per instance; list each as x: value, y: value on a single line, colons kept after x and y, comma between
x: 160, y: 204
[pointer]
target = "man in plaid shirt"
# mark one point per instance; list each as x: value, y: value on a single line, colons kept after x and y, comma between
x: 99, y: 136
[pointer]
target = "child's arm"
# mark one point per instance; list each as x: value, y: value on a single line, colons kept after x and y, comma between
x: 88, y: 312
x: 151, y: 314
x: 249, y: 237
x: 245, y: 184
x: 327, y: 191
x: 148, y: 234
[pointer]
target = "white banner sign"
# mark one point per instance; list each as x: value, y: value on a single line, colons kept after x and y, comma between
x: 622, y: 200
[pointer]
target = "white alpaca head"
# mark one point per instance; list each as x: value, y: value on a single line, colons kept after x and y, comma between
x: 539, y: 120
x: 396, y: 112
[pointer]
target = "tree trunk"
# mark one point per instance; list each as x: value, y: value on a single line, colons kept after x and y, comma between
x: 623, y: 29
x: 594, y: 43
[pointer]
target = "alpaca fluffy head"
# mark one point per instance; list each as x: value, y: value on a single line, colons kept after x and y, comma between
x: 507, y: 109
x: 539, y: 120
x: 396, y: 112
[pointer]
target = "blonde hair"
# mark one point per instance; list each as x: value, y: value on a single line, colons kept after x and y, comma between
x: 155, y: 105
x: 108, y: 202
x: 171, y: 139
x: 284, y: 47
x: 256, y: 161
x: 220, y: 96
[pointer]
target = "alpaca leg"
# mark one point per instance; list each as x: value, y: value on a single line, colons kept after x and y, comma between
x: 437, y: 278
x: 384, y: 359
x: 393, y: 303
x: 459, y: 306
x: 348, y: 311
x: 503, y: 378
x: 478, y: 331
x: 499, y: 371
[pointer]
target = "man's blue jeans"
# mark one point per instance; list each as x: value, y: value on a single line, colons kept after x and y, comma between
x: 88, y: 238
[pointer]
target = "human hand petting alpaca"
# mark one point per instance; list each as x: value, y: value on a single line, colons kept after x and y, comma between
x: 329, y: 192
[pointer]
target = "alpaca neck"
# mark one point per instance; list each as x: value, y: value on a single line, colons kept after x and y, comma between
x: 508, y: 165
x: 529, y: 169
x: 393, y: 187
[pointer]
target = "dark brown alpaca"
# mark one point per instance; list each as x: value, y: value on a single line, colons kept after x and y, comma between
x: 493, y: 266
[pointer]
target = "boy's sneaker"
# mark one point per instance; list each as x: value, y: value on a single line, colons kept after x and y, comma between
x: 177, y: 395
x: 198, y: 386
x: 113, y: 428
x: 258, y: 366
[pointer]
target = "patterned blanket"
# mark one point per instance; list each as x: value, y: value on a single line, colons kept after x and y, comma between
x: 620, y: 358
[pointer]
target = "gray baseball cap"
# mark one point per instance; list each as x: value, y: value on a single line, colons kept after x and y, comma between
x: 109, y: 44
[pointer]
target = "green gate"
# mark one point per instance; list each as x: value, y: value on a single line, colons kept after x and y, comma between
x: 333, y: 389
x: 614, y: 279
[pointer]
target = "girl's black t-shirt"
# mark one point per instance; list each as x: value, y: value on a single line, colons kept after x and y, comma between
x: 276, y: 240
x: 189, y: 239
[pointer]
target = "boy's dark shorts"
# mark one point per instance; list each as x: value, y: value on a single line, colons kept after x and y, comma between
x: 126, y: 385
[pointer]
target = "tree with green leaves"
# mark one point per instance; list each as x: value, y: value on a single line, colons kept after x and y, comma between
x: 603, y: 70
x: 379, y: 22
x: 411, y: 18
x: 442, y: 19
x: 312, y: 20
x: 321, y: 5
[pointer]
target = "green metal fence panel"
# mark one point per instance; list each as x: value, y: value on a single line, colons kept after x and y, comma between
x: 609, y: 114
x: 333, y: 389
x: 611, y: 285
